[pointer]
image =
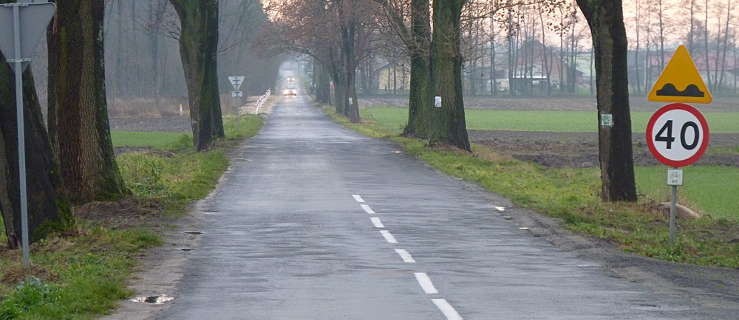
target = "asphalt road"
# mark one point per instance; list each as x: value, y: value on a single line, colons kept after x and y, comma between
x: 314, y: 221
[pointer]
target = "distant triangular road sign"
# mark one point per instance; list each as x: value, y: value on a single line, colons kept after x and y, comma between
x: 236, y: 81
x: 681, y: 81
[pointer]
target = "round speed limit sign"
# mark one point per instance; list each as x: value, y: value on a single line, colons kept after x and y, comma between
x: 678, y: 135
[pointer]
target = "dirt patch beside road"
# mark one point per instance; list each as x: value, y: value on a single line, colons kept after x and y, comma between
x: 148, y: 124
x: 580, y: 150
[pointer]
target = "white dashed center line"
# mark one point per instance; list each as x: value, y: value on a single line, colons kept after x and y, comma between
x: 407, y: 258
x: 377, y: 223
x: 423, y: 279
x: 367, y: 209
x: 388, y: 237
x: 425, y: 282
x: 447, y: 309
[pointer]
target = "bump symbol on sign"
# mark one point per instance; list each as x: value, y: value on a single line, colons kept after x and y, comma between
x: 681, y: 81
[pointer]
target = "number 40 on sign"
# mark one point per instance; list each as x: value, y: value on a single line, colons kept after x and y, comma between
x: 678, y: 135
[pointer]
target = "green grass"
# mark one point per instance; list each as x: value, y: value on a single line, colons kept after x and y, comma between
x: 174, y: 181
x: 394, y: 119
x: 712, y: 190
x: 235, y: 127
x: 187, y: 175
x: 572, y: 195
x: 86, y: 274
x: 83, y: 275
x: 156, y: 140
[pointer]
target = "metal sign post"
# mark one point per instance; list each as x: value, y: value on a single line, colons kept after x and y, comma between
x: 680, y: 82
x: 677, y: 135
x: 674, y: 179
x: 21, y: 136
x: 28, y: 22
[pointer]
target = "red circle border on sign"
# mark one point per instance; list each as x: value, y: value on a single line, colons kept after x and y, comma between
x: 704, y: 126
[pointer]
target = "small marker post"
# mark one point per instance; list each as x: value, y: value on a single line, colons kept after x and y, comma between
x: 673, y: 215
x: 674, y: 179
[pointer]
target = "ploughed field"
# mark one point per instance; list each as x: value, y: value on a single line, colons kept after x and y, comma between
x: 580, y: 149
x: 561, y: 132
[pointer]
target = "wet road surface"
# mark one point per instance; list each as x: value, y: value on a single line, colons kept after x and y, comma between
x: 314, y: 221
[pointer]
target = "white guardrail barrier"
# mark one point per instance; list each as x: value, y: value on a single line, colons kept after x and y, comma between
x: 263, y: 99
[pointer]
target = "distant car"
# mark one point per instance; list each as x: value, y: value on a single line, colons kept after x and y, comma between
x: 290, y: 92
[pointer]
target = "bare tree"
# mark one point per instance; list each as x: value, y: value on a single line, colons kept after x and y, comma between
x: 199, y: 53
x: 606, y: 22
x: 78, y: 114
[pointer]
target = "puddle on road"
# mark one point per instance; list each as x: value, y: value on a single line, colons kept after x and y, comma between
x: 186, y: 249
x: 197, y: 233
x: 160, y: 299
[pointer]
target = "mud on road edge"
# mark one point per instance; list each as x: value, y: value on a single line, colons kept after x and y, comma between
x: 161, y: 270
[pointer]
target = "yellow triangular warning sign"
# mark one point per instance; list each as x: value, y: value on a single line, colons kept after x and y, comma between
x: 681, y: 81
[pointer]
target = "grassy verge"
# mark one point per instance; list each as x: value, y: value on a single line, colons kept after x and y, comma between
x: 156, y: 140
x: 711, y: 190
x: 572, y: 196
x: 82, y: 274
x: 394, y: 119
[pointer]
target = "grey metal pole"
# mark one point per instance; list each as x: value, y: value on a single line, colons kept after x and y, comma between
x: 21, y: 137
x: 673, y: 216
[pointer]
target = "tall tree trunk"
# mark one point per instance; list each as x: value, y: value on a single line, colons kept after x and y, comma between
x: 611, y: 48
x: 323, y: 85
x: 691, y: 34
x: 706, y: 55
x: 545, y: 58
x: 661, y: 37
x: 493, y: 71
x: 419, y: 101
x: 121, y: 79
x: 82, y: 131
x: 348, y: 33
x: 199, y: 53
x: 511, y: 59
x: 648, y: 55
x: 448, y: 125
x: 340, y: 89
x: 47, y: 209
x: 724, y: 51
x: 636, y: 51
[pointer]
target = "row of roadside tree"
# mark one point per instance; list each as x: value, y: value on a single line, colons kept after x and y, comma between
x: 71, y: 158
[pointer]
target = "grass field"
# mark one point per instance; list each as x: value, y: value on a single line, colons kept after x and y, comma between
x: 572, y: 196
x: 82, y: 274
x: 157, y: 140
x: 710, y: 189
x: 394, y: 119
